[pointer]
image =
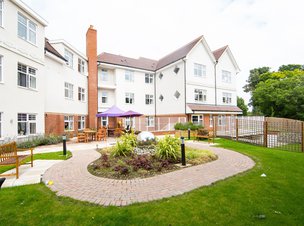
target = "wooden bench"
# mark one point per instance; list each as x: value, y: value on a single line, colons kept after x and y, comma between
x: 207, y: 134
x: 9, y: 157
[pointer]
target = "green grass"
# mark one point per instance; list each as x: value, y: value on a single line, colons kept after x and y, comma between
x: 44, y: 156
x: 240, y: 200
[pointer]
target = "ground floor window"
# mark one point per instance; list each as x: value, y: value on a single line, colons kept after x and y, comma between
x: 68, y: 123
x: 104, y: 121
x: 26, y: 124
x: 198, y: 120
x: 149, y: 121
x: 81, y: 122
x: 129, y: 121
x: 221, y: 120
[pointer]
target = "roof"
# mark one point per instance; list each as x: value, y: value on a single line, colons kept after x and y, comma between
x: 140, y: 63
x: 202, y: 107
x: 219, y: 52
x: 49, y: 48
x: 177, y: 54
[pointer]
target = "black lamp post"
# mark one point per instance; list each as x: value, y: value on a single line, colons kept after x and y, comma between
x: 183, y: 151
x: 1, y: 181
x: 64, y: 138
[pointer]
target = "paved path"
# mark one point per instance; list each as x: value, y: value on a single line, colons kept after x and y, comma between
x: 72, y: 179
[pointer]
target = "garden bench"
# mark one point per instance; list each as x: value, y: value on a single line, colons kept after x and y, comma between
x: 207, y: 134
x: 9, y: 157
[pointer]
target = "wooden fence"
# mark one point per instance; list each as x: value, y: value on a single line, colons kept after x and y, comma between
x: 279, y: 133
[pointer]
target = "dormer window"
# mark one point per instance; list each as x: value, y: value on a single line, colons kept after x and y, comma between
x: 69, y: 57
x: 176, y: 70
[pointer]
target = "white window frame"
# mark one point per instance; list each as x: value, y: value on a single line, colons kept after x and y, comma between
x: 221, y: 120
x: 1, y: 68
x: 81, y: 94
x: 30, y: 29
x: 1, y: 13
x: 104, y: 121
x: 226, y: 76
x: 104, y: 97
x: 68, y: 123
x: 150, y: 120
x: 129, y: 76
x: 29, y: 121
x: 200, y: 95
x: 129, y: 98
x: 149, y: 99
x: 104, y: 75
x: 199, y: 119
x: 129, y: 121
x: 149, y: 78
x: 1, y: 116
x: 199, y: 70
x: 81, y: 122
x: 227, y: 98
x: 30, y: 76
x: 68, y: 91
x: 68, y: 55
x: 81, y: 65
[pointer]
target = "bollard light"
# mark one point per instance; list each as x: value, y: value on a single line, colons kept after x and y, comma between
x: 188, y: 133
x: 183, y: 151
x: 1, y: 181
x: 64, y: 138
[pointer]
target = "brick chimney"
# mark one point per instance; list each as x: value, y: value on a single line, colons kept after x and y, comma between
x: 91, y: 39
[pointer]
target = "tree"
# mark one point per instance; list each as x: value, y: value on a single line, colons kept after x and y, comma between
x: 281, y: 95
x: 291, y: 67
x: 241, y: 104
x: 254, y: 78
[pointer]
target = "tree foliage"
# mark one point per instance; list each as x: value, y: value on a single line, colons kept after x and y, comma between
x: 254, y: 78
x: 241, y: 104
x: 291, y: 67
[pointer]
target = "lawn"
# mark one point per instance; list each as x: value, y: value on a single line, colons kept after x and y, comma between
x: 245, y: 199
x: 44, y: 156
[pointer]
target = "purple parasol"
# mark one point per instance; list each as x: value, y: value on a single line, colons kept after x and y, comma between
x: 111, y: 112
x: 130, y: 114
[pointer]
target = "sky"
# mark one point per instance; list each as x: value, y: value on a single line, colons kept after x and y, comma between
x: 258, y: 32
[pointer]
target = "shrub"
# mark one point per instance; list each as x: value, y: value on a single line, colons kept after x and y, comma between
x: 168, y: 148
x: 141, y: 162
x: 125, y: 145
x: 186, y: 125
x: 40, y: 140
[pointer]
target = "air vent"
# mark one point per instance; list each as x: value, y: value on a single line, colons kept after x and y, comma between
x: 161, y: 97
x: 177, y: 94
x: 160, y: 75
x: 176, y: 70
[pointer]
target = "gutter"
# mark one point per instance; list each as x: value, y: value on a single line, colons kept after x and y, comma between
x: 215, y: 87
x: 185, y: 85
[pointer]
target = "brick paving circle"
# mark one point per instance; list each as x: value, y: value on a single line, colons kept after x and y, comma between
x: 72, y: 179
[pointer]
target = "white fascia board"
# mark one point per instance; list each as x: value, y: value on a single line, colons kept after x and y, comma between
x: 217, y: 112
x: 233, y: 59
x: 205, y: 44
x: 30, y: 11
x: 114, y: 66
x: 72, y: 48
x: 170, y: 65
x: 55, y: 58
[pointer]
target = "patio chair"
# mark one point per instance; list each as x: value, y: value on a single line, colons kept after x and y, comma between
x: 82, y: 137
x: 102, y: 134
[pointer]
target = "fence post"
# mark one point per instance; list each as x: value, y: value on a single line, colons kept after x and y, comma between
x: 265, y: 125
x: 302, y: 134
x: 214, y: 126
x: 236, y: 129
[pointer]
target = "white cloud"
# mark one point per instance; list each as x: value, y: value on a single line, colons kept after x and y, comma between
x: 259, y: 32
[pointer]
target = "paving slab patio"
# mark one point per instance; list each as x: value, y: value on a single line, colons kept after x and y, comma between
x: 72, y: 179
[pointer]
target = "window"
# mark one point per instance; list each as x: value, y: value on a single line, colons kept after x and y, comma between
x: 221, y: 120
x: 1, y: 66
x: 149, y: 99
x: 104, y: 121
x: 81, y: 94
x: 1, y: 124
x: 227, y: 98
x: 26, y: 29
x: 104, y: 97
x: 68, y: 90
x: 81, y: 66
x: 26, y: 76
x: 198, y: 120
x: 149, y: 78
x: 129, y: 76
x: 129, y: 121
x: 149, y: 121
x: 104, y: 75
x: 129, y: 98
x: 199, y: 70
x: 1, y: 17
x: 26, y: 124
x: 226, y: 76
x: 200, y: 95
x: 69, y: 57
x: 177, y: 94
x: 81, y: 122
x: 68, y: 123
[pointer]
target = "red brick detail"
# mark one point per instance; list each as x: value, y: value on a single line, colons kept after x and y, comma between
x: 91, y: 46
x: 54, y: 124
